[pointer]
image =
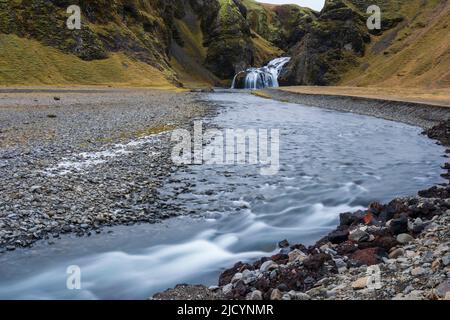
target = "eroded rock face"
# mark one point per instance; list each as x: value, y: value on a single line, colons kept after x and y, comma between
x: 330, y: 46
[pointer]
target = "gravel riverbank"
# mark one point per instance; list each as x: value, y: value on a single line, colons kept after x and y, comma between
x: 422, y: 115
x: 398, y: 250
x: 72, y: 161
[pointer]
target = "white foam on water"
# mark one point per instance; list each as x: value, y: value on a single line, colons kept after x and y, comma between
x: 85, y: 160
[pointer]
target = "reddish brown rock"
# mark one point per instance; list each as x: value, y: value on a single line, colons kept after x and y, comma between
x: 315, y: 262
x: 280, y: 258
x: 369, y: 256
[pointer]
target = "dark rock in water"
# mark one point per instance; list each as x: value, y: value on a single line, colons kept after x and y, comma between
x: 436, y: 192
x: 228, y: 274
x: 338, y: 236
x: 375, y: 208
x: 56, y: 98
x: 349, y: 218
x: 368, y: 257
x: 399, y: 225
x: 283, y: 244
x: 386, y: 214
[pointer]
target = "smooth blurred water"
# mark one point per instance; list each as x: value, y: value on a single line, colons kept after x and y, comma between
x: 331, y: 162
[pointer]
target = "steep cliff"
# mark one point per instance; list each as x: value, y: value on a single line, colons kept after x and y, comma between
x: 411, y: 49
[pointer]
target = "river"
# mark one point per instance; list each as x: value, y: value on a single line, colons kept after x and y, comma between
x: 330, y: 162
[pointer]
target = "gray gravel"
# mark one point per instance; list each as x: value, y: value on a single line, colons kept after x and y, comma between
x: 422, y: 115
x: 74, y: 161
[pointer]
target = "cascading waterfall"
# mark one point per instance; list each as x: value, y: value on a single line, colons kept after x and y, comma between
x: 259, y: 78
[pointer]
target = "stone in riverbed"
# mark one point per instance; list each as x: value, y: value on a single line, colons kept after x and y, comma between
x: 399, y: 225
x: 368, y: 257
x: 417, y: 271
x: 360, y: 283
x: 255, y: 295
x: 276, y: 295
x: 348, y: 218
x: 442, y: 289
x: 296, y: 255
x: 226, y: 290
x: 396, y: 253
x: 404, y: 238
x: 268, y: 266
x: 283, y: 244
x: 298, y: 295
x: 359, y: 236
x: 446, y: 260
x: 338, y: 236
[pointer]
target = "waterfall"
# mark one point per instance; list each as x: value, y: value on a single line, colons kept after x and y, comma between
x: 258, y: 78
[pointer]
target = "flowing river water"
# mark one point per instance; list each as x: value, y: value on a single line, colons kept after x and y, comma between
x: 330, y: 162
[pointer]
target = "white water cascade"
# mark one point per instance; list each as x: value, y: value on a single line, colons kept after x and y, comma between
x: 258, y: 78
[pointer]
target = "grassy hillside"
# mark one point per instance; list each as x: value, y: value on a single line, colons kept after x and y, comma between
x: 414, y: 54
x: 155, y: 43
x: 28, y: 62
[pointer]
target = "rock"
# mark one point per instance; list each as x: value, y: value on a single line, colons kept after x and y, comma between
x: 416, y: 226
x: 236, y: 277
x: 296, y: 255
x: 446, y: 260
x: 283, y: 244
x: 299, y: 295
x: 340, y: 263
x: 226, y: 290
x: 404, y: 238
x: 338, y: 236
x: 359, y: 236
x: 399, y: 252
x: 442, y: 289
x: 368, y: 257
x: 276, y: 295
x: 361, y: 283
x: 280, y: 258
x: 10, y: 248
x: 268, y: 266
x: 248, y: 276
x: 240, y: 289
x: 436, y: 264
x: 286, y: 297
x: 56, y: 98
x: 255, y: 295
x: 399, y: 225
x: 348, y: 218
x: 316, y: 261
x: 417, y: 271
x: 35, y: 188
x: 447, y: 296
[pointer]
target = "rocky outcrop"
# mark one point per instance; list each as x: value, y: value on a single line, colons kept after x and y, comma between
x: 329, y: 47
x: 148, y: 31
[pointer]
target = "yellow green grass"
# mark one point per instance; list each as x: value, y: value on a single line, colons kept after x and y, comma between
x: 28, y: 62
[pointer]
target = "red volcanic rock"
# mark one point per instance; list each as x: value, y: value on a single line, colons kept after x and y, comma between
x: 316, y: 261
x: 228, y: 274
x: 346, y: 248
x: 369, y: 256
x: 280, y: 258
